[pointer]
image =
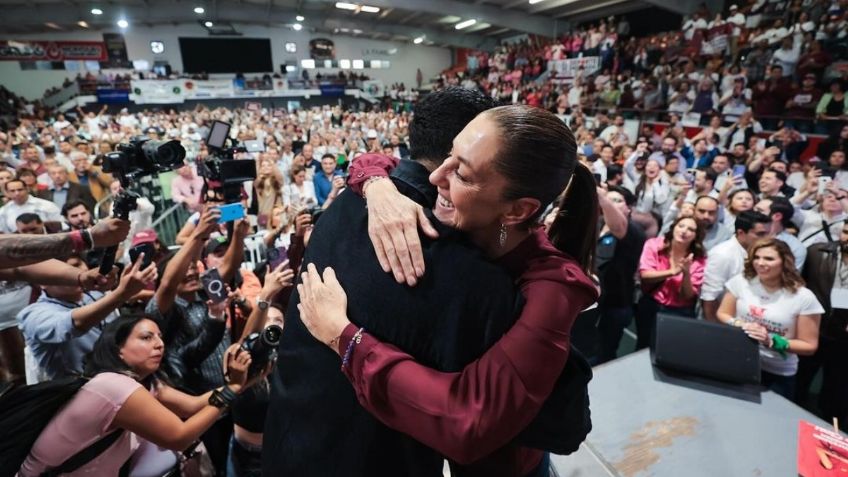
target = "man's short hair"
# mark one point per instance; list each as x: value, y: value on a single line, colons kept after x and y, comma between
x: 711, y: 174
x: 439, y: 117
x: 629, y: 198
x: 28, y: 218
x: 781, y: 205
x: 779, y: 174
x: 72, y: 205
x: 325, y: 156
x: 11, y: 181
x: 746, y: 220
x: 614, y: 170
x: 706, y: 197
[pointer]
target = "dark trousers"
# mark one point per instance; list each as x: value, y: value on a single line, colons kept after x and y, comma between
x: 611, y: 327
x: 584, y: 333
x: 217, y: 442
x: 783, y: 385
x: 646, y: 319
x: 831, y: 358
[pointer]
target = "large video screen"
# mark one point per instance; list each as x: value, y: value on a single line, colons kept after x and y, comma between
x: 226, y: 55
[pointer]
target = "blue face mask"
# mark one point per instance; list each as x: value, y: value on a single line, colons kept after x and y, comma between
x: 587, y: 150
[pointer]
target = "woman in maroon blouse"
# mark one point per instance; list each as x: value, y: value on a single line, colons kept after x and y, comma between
x: 505, y: 167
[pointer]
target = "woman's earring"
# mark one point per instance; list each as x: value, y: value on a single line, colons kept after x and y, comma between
x: 502, y: 236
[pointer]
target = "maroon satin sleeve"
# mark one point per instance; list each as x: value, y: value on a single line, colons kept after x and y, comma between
x: 470, y: 414
x: 367, y: 166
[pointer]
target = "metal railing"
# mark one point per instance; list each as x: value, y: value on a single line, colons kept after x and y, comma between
x: 170, y: 222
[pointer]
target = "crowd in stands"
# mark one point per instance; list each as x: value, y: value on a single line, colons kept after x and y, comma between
x: 770, y: 58
x: 734, y: 225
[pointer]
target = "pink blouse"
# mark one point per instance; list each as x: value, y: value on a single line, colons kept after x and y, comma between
x: 85, y: 419
x: 668, y: 292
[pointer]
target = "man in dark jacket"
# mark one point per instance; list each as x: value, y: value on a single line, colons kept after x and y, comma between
x: 64, y: 191
x: 826, y: 274
x: 460, y: 307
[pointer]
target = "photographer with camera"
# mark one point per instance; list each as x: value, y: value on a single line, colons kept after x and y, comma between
x: 259, y: 338
x: 62, y: 326
x: 194, y: 328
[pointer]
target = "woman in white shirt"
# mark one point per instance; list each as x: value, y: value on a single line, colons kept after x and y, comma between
x: 652, y: 191
x: 300, y: 193
x: 770, y: 303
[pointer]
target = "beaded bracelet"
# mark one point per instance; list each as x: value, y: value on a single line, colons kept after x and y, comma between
x: 355, y: 340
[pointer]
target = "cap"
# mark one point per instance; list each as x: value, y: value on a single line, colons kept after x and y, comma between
x: 145, y: 236
x: 216, y: 243
x: 372, y: 134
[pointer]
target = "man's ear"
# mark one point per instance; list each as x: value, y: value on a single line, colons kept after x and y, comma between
x: 521, y: 210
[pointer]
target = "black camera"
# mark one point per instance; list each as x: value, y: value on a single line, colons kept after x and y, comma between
x: 140, y: 157
x: 143, y: 156
x: 222, y: 173
x: 262, y: 347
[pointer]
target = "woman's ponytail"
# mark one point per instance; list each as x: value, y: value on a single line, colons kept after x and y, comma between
x: 575, y: 229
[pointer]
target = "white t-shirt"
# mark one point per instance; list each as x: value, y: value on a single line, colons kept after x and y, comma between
x: 778, y: 312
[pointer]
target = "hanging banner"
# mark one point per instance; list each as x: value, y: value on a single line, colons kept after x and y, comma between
x: 52, y: 50
x: 208, y: 89
x: 158, y: 91
x: 375, y: 88
x: 116, y: 48
x: 572, y: 67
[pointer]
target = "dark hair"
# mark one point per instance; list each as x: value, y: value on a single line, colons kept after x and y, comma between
x: 614, y: 170
x: 789, y: 276
x: 711, y: 174
x: 779, y: 174
x: 439, y: 117
x: 781, y: 205
x: 72, y: 205
x: 696, y: 248
x: 25, y: 171
x: 105, y: 356
x: 707, y: 197
x: 28, y: 218
x: 746, y: 220
x: 538, y: 157
x: 328, y: 155
x: 6, y: 186
x: 629, y: 198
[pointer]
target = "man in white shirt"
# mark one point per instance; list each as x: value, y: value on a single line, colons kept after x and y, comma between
x: 20, y: 202
x: 615, y: 134
x: 727, y: 259
x: 737, y: 18
x: 787, y: 56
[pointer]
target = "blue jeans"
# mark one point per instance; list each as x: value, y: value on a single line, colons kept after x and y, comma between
x: 244, y: 460
x: 611, y: 327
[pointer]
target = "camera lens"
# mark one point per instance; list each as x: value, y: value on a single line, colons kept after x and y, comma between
x: 271, y: 335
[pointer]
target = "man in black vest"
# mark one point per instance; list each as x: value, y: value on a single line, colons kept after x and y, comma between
x: 458, y: 309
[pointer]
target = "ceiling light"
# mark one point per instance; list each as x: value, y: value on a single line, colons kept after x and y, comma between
x: 83, y: 23
x: 96, y: 11
x: 297, y: 27
x: 345, y: 6
x: 357, y: 31
x: 465, y: 24
x: 300, y: 18
x: 369, y: 9
x: 123, y: 23
x: 199, y: 10
x: 208, y: 24
x: 345, y: 30
x: 418, y: 40
x: 533, y: 2
x: 52, y: 25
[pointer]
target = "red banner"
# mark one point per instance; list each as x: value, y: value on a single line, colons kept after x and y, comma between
x: 52, y: 50
x: 821, y: 452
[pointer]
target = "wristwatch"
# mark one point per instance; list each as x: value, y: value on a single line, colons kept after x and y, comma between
x: 262, y: 304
